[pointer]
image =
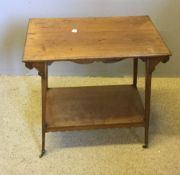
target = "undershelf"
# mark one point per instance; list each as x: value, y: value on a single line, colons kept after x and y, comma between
x: 75, y: 108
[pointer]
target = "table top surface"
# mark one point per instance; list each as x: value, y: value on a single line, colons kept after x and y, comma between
x: 103, y: 38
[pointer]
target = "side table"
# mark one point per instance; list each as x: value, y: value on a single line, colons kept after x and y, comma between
x: 87, y: 40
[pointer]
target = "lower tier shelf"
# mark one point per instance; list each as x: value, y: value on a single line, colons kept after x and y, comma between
x: 75, y: 108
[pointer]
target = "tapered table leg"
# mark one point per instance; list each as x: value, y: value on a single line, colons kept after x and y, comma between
x: 147, y: 100
x: 135, y: 71
x: 44, y: 86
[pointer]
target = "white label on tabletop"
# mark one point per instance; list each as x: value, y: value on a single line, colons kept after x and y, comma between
x: 74, y: 30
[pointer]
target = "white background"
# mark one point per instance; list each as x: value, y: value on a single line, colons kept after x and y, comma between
x: 14, y: 17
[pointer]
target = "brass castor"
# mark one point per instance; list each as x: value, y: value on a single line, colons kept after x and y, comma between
x: 145, y: 146
x: 42, y: 153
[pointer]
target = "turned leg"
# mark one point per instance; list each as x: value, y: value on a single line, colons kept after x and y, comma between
x: 44, y: 86
x: 135, y: 71
x: 147, y: 100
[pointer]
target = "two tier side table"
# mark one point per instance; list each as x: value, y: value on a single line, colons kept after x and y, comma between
x: 88, y: 40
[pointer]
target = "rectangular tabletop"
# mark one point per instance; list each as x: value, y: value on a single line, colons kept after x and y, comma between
x: 92, y: 39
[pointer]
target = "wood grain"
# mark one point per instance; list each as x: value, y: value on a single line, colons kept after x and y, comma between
x: 97, y: 39
x: 93, y: 107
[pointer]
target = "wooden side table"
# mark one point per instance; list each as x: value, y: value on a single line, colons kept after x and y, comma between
x: 86, y: 40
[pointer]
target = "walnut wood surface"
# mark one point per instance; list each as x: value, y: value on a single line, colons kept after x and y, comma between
x: 97, y: 39
x: 93, y: 107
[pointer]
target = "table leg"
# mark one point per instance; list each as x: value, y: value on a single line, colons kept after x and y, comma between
x: 44, y: 86
x: 135, y: 71
x: 147, y: 100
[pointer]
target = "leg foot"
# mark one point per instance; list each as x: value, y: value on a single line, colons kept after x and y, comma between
x: 145, y: 146
x: 42, y: 153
